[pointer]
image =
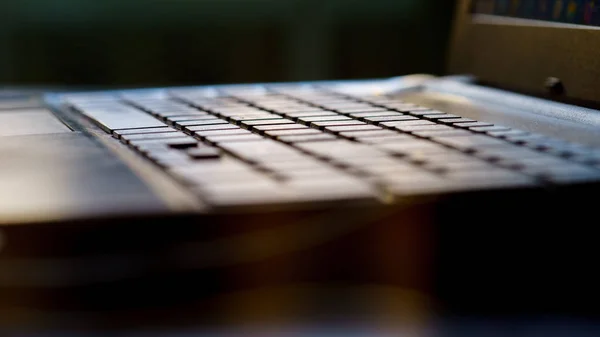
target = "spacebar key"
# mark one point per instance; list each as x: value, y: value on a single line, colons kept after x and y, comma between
x: 122, y: 118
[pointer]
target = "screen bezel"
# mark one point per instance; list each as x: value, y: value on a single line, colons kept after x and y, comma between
x: 521, y: 54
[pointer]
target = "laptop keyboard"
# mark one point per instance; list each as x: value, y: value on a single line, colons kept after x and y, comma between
x: 247, y: 145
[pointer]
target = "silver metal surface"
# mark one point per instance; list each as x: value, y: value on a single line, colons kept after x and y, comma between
x: 66, y: 176
x: 521, y: 54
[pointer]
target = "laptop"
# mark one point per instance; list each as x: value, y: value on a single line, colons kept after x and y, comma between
x: 477, y: 190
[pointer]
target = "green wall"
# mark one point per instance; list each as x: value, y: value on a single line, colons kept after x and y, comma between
x: 151, y: 42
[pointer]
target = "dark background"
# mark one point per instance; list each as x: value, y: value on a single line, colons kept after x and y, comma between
x: 170, y: 42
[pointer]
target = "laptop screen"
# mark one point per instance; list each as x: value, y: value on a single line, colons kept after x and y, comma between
x: 582, y: 12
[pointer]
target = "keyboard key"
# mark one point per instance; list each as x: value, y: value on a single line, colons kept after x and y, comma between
x: 321, y: 113
x: 425, y: 112
x: 489, y: 128
x: 338, y: 148
x: 339, y: 186
x: 399, y: 117
x: 441, y: 117
x: 145, y: 136
x: 280, y: 127
x: 307, y: 131
x: 201, y: 128
x: 435, y: 127
x: 457, y: 120
x: 262, y: 151
x: 471, y: 164
x: 470, y: 143
x: 407, y: 123
x: 121, y: 117
x: 526, y: 139
x: 442, y: 133
x: 251, y: 193
x: 368, y: 134
x: 488, y: 179
x: 307, y: 138
x: 203, y: 153
x: 120, y: 133
x: 473, y: 124
x: 323, y: 125
x: 566, y: 173
x: 406, y: 148
x: 324, y: 119
x: 441, y: 157
x: 190, y: 118
x: 365, y: 110
x: 353, y: 128
x: 234, y: 138
x: 181, y: 143
x: 212, y: 121
x: 197, y: 114
x: 507, y: 133
x: 226, y: 132
x: 216, y: 178
x: 387, y: 139
x: 508, y: 152
x: 168, y: 142
x: 377, y: 113
x: 267, y: 122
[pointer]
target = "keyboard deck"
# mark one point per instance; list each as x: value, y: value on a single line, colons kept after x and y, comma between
x: 250, y: 145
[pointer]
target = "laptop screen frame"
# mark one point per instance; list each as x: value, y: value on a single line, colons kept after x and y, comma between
x: 522, y: 54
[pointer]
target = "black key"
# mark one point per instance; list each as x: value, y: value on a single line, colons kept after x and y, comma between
x: 204, y: 153
x: 307, y: 138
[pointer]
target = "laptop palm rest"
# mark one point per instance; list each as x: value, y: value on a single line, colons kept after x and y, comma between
x: 65, y: 175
